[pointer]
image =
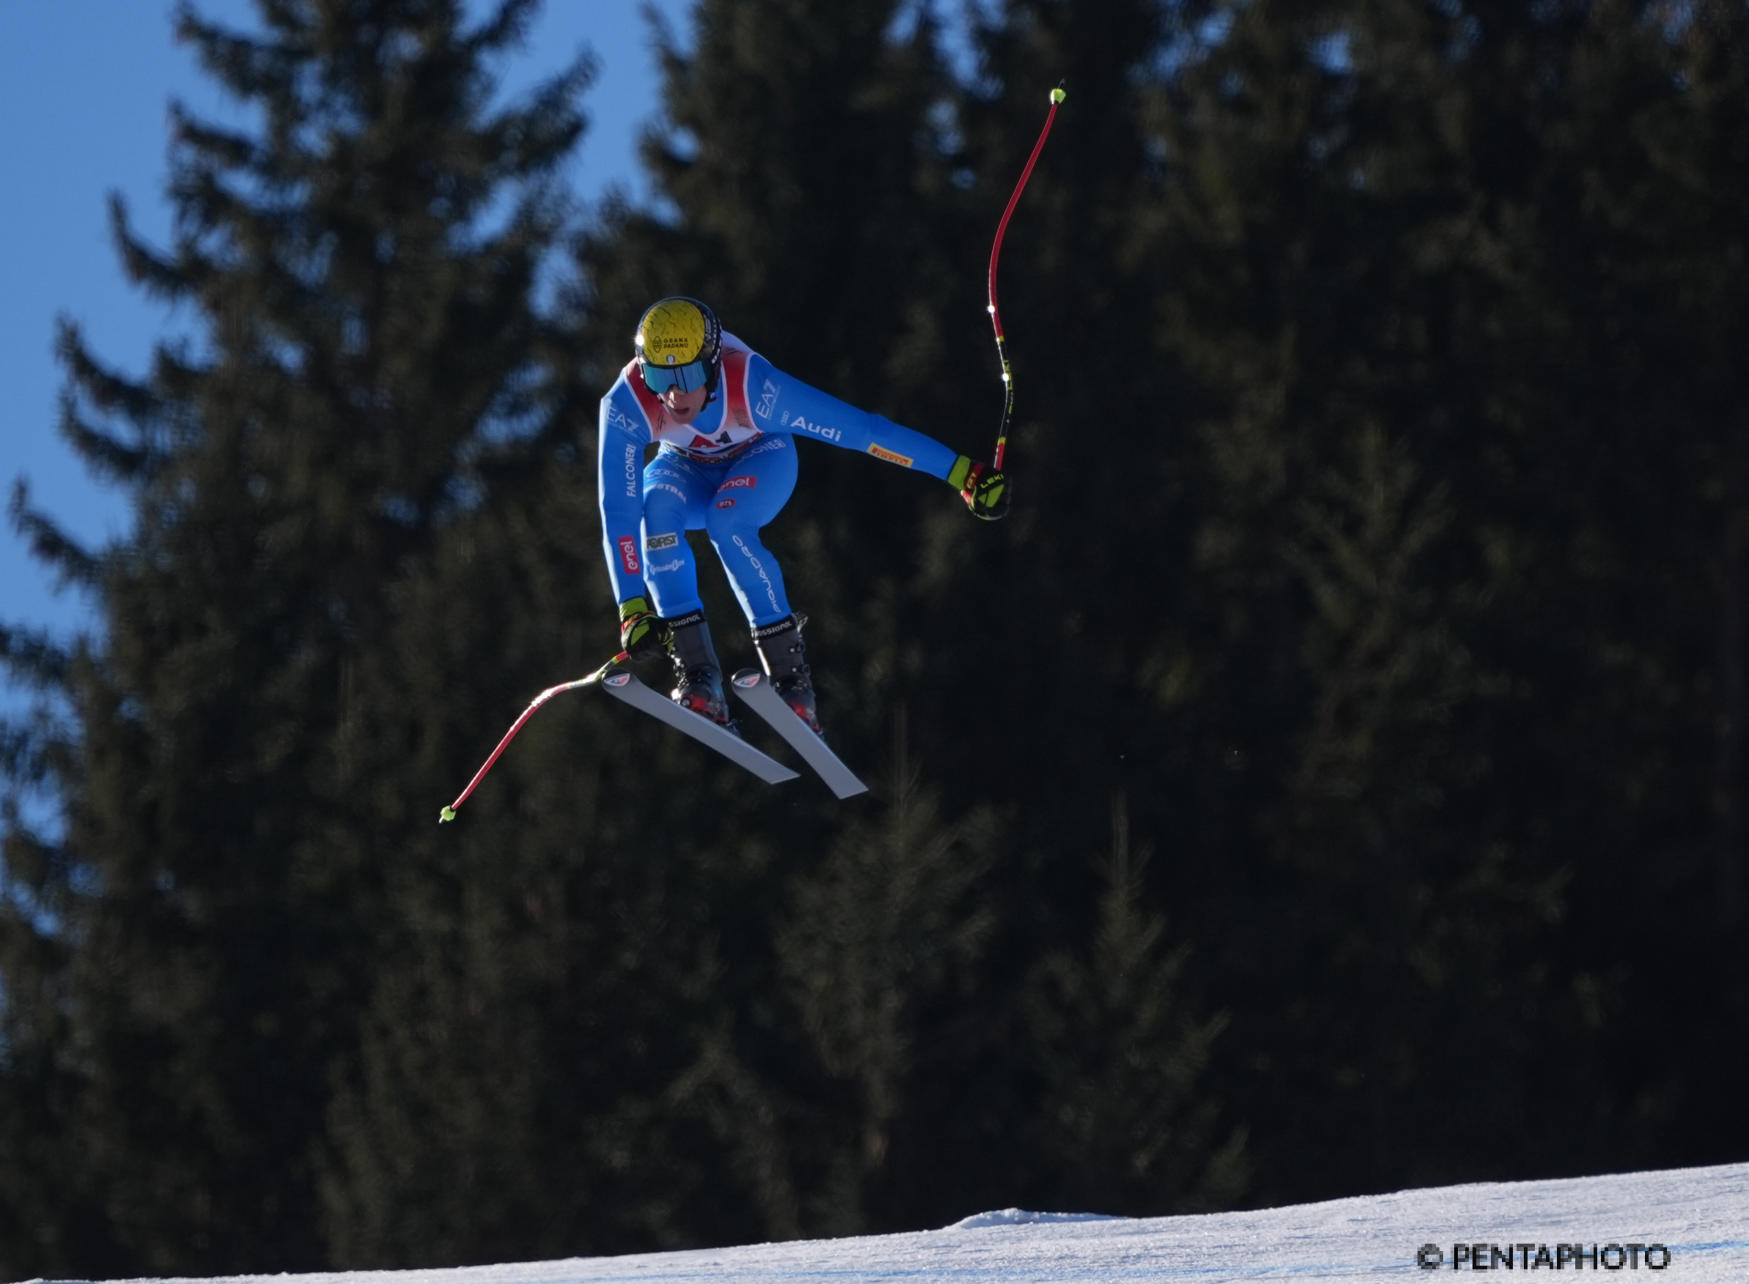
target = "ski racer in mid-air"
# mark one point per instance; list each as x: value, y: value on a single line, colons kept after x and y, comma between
x: 725, y: 421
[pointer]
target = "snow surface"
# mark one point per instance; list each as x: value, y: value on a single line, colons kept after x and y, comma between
x: 1689, y: 1224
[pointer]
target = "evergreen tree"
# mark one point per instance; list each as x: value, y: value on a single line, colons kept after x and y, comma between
x: 1329, y: 180
x: 809, y: 197
x: 1125, y: 1115
x: 1644, y: 665
x: 879, y: 956
x: 1431, y: 205
x: 187, y: 963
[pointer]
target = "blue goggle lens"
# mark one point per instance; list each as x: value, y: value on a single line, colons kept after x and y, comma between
x: 692, y: 375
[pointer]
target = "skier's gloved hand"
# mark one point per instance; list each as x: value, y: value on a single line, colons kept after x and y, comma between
x: 643, y: 634
x: 983, y: 488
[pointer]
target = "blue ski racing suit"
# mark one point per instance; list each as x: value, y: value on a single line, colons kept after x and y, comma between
x: 728, y: 473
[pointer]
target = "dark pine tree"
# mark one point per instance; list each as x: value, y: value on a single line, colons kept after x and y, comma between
x: 256, y: 723
x: 811, y: 198
x: 1462, y: 411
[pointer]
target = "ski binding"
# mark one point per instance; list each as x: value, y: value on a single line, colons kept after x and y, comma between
x: 622, y: 684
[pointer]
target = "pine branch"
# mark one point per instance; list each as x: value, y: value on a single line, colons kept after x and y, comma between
x: 34, y: 657
x: 160, y: 277
x: 104, y: 455
x: 250, y: 69
x: 216, y: 148
x: 108, y: 390
x: 72, y: 563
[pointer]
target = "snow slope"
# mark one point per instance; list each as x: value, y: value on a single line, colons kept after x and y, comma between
x: 1690, y: 1224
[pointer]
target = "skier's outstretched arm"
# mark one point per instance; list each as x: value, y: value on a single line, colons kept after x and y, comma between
x: 782, y: 403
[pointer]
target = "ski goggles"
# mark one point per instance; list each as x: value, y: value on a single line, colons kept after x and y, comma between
x: 692, y: 375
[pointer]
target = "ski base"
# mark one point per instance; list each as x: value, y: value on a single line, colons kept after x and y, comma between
x: 755, y: 690
x: 622, y: 684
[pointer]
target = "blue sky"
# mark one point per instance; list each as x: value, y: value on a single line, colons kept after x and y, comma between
x: 84, y: 91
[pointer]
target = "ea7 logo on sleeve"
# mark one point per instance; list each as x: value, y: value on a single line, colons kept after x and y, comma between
x: 628, y: 555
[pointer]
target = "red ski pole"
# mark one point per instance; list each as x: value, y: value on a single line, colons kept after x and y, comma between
x: 1057, y: 96
x: 448, y: 813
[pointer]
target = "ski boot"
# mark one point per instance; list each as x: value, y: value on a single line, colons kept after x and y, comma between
x: 785, y: 661
x: 698, y: 678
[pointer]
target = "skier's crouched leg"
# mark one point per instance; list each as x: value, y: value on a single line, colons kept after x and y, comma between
x: 750, y: 494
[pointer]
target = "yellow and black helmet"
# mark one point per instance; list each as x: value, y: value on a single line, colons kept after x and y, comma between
x: 679, y: 344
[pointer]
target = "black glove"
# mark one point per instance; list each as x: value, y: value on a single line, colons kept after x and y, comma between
x: 643, y: 634
x: 983, y: 488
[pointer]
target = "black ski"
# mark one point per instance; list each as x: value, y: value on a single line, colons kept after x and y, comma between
x: 755, y: 690
x: 622, y: 684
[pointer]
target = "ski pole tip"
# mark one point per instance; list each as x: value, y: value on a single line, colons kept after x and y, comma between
x: 1058, y: 94
x: 448, y: 813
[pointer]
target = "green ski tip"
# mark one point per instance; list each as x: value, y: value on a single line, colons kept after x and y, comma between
x: 1057, y: 94
x: 448, y: 813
